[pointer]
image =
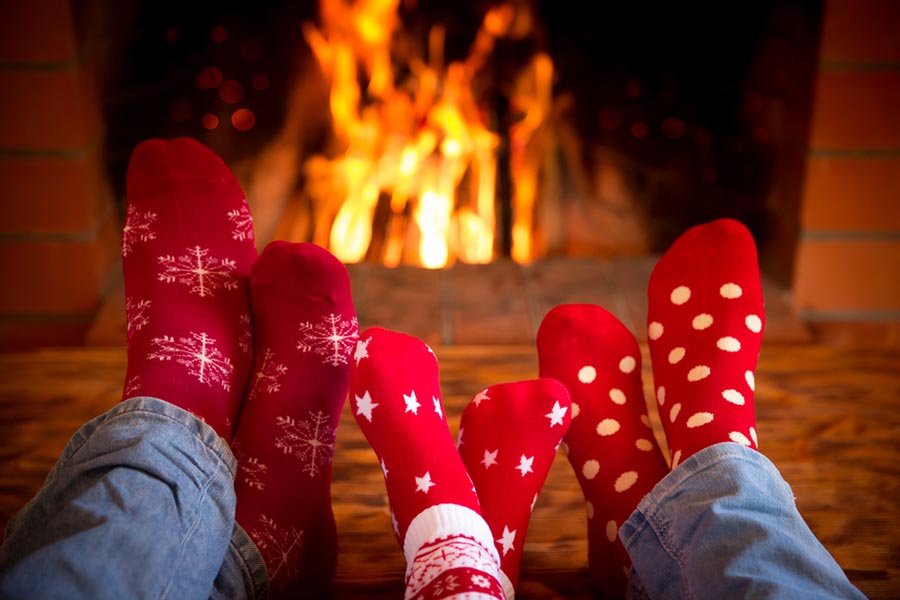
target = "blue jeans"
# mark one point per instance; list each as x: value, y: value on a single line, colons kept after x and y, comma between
x: 724, y: 524
x: 141, y: 504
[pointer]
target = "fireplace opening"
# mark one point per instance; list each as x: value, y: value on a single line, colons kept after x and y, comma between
x: 421, y: 133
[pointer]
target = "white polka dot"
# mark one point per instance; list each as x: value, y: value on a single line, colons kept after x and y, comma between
x: 734, y: 396
x: 612, y: 531
x: 676, y: 458
x: 751, y: 380
x: 673, y: 412
x: 676, y: 355
x: 645, y: 445
x: 587, y: 374
x: 699, y: 419
x: 646, y: 421
x: 655, y: 330
x: 702, y: 321
x: 575, y: 410
x: 753, y: 323
x: 617, y: 396
x: 731, y: 291
x: 589, y: 508
x: 627, y: 364
x: 753, y: 435
x: 699, y: 372
x: 608, y: 427
x: 680, y: 295
x: 626, y: 480
x: 738, y: 437
x: 590, y: 469
x: 728, y: 344
x: 661, y: 395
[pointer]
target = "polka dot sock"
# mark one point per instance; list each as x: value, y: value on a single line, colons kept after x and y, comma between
x: 395, y: 397
x: 705, y: 320
x: 610, y: 442
x: 509, y: 437
x: 305, y: 329
x: 187, y: 249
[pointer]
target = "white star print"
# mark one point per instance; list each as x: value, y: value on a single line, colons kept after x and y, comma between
x: 525, y: 465
x: 384, y: 469
x: 362, y: 350
x: 412, y: 404
x: 490, y: 458
x: 459, y: 440
x: 424, y: 483
x: 482, y: 395
x: 507, y: 539
x: 556, y: 415
x: 364, y: 406
x: 437, y: 407
x: 395, y: 523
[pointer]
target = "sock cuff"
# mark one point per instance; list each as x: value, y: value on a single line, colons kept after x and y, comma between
x: 508, y: 589
x: 448, y: 520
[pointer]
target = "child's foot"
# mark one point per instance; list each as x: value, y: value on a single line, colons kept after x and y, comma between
x: 610, y: 442
x: 187, y: 249
x: 304, y: 331
x: 705, y: 322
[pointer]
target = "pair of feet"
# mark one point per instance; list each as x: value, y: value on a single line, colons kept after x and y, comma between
x: 257, y: 347
x: 704, y: 330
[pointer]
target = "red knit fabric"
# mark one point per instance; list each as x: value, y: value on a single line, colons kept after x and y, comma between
x: 304, y: 331
x: 610, y: 442
x: 508, y: 439
x: 187, y: 249
x: 705, y: 321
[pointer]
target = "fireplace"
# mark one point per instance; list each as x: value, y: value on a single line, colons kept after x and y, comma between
x: 409, y: 136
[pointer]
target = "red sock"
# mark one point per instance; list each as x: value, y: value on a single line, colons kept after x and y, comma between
x: 305, y: 329
x: 186, y: 270
x: 508, y: 439
x: 705, y: 320
x: 610, y: 442
x: 396, y: 399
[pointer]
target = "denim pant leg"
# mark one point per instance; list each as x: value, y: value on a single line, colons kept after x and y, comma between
x: 139, y: 505
x: 724, y: 524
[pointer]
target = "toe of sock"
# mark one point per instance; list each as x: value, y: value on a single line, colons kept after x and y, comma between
x: 180, y: 158
x: 306, y: 268
x: 569, y: 325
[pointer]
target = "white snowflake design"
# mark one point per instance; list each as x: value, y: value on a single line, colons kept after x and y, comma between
x: 332, y: 338
x: 136, y: 315
x: 311, y: 440
x: 245, y: 340
x: 281, y: 547
x: 251, y: 472
x: 137, y: 229
x: 199, y: 354
x: 266, y: 375
x: 200, y: 271
x: 242, y: 221
x: 131, y: 387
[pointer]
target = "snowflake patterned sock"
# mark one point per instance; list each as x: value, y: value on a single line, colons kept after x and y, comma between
x: 610, y: 443
x: 396, y: 399
x: 509, y: 435
x: 304, y: 331
x: 187, y: 249
x: 705, y: 321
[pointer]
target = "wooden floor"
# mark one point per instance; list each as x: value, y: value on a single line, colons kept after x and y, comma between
x: 829, y: 418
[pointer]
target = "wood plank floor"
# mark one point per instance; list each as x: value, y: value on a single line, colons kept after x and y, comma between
x: 829, y: 418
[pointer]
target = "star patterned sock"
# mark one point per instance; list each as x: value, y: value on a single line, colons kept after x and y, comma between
x: 705, y: 320
x: 187, y: 249
x: 508, y: 439
x: 396, y: 399
x: 610, y: 442
x: 305, y: 329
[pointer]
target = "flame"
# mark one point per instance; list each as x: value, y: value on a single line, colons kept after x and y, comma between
x: 421, y: 145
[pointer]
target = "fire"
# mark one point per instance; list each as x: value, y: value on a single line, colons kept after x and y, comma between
x: 415, y: 180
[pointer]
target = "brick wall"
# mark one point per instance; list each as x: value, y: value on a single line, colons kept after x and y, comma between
x: 58, y: 233
x: 847, y: 278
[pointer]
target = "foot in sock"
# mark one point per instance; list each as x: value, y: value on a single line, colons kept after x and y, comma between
x: 610, y: 442
x: 508, y: 439
x: 395, y: 397
x: 304, y: 332
x: 187, y: 250
x: 705, y: 320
